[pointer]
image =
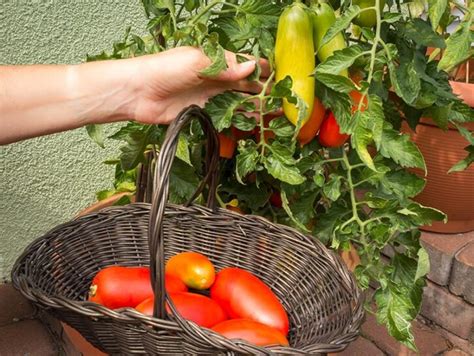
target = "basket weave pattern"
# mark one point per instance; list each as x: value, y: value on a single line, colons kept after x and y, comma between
x: 320, y: 295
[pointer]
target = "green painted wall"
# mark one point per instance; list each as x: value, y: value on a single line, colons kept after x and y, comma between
x: 46, y: 181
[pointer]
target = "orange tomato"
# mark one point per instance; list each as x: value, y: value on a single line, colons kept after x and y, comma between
x: 356, y: 98
x: 193, y: 268
x: 227, y: 146
x: 310, y: 129
x: 195, y: 307
x: 254, y: 332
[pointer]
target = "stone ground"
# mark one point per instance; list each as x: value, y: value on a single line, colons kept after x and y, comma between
x: 22, y: 333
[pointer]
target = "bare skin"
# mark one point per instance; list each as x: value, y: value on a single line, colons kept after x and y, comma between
x: 42, y: 99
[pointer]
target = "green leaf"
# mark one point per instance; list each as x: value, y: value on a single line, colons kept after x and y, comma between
x: 124, y: 132
x: 282, y: 89
x: 458, y: 47
x: 402, y: 183
x: 391, y: 17
x: 247, y: 159
x: 283, y: 172
x: 332, y: 188
x: 336, y: 82
x: 341, y: 24
x: 420, y: 32
x: 221, y: 108
x: 282, y: 127
x: 422, y: 215
x: 395, y: 310
x: 216, y: 54
x: 253, y: 196
x: 436, y: 9
x: 405, y: 81
x: 260, y: 13
x: 439, y: 114
x: 423, y: 267
x: 286, y: 207
x: 104, y: 194
x: 340, y: 60
x: 464, y: 163
x: 190, y: 5
x: 399, y: 148
x: 184, y: 181
x: 339, y: 103
x: 182, y: 151
x: 243, y: 122
x: 96, y: 133
x: 282, y: 152
x: 368, y: 128
x: 132, y: 152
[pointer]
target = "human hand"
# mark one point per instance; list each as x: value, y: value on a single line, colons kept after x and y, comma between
x: 165, y: 83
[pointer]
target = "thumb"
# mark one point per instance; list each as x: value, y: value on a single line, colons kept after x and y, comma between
x: 237, y: 71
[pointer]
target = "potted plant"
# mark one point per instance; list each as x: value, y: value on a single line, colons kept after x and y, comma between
x: 449, y: 178
x: 347, y: 182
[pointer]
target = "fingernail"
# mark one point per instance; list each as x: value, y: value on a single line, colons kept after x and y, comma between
x: 247, y: 65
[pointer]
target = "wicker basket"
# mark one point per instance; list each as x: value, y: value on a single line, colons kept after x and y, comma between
x: 318, y: 292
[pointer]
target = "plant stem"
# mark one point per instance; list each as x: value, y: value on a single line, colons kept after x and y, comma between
x: 355, y: 213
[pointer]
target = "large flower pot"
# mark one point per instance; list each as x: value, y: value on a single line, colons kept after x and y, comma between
x: 451, y: 193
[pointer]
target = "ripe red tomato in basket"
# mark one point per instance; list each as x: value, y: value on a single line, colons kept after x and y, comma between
x: 243, y: 295
x: 193, y: 268
x: 227, y: 145
x: 254, y: 332
x: 118, y: 287
x: 195, y: 307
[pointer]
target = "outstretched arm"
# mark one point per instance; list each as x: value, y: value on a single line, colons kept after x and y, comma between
x: 41, y: 99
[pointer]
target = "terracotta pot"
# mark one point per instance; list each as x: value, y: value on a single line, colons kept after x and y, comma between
x: 451, y: 193
x: 103, y: 203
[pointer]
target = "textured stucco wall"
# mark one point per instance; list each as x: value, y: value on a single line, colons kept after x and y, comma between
x: 45, y: 181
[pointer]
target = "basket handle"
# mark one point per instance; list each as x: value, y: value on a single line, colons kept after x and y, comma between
x: 161, y: 192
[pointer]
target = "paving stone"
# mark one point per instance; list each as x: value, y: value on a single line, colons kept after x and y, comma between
x: 427, y: 341
x: 442, y: 248
x: 462, y: 276
x: 13, y: 306
x: 447, y: 310
x: 28, y: 337
x: 455, y: 352
x: 456, y: 341
x: 360, y: 347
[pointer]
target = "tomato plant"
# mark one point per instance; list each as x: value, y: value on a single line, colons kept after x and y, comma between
x: 243, y: 295
x: 371, y: 78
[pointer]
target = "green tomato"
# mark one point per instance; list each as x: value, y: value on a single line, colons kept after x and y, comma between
x: 367, y: 18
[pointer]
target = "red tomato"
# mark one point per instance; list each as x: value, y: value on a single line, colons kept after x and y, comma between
x: 118, y: 287
x: 243, y: 295
x: 227, y: 146
x: 195, y: 307
x: 254, y: 332
x: 193, y: 268
x: 310, y: 129
x: 275, y: 199
x: 329, y: 134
